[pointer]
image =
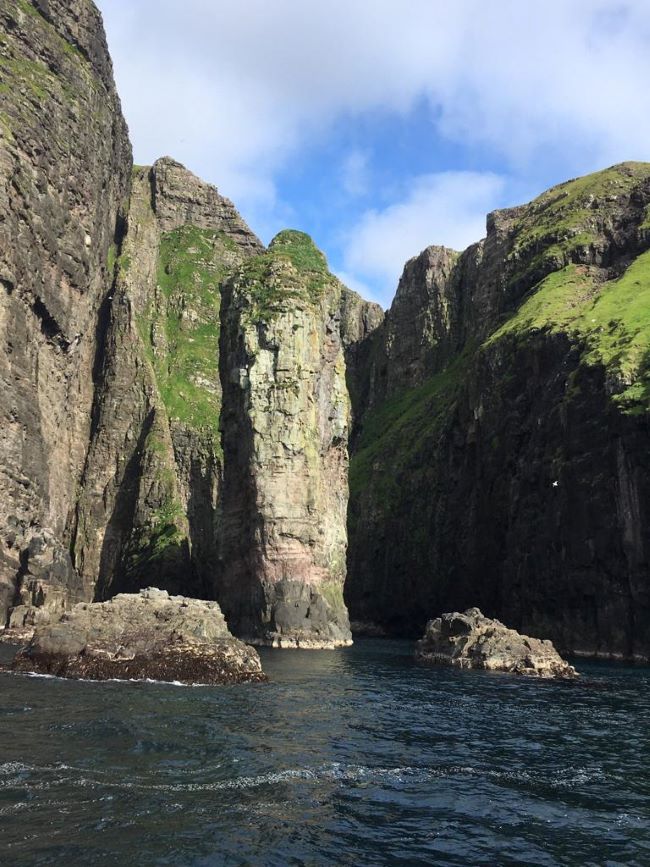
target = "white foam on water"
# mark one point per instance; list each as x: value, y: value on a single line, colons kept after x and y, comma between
x: 13, y: 808
x: 148, y: 680
x: 335, y: 772
x: 14, y: 768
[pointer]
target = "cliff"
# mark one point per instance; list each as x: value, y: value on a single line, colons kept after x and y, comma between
x: 64, y: 185
x: 113, y: 277
x: 285, y: 426
x: 176, y: 401
x: 503, y: 461
x: 150, y: 495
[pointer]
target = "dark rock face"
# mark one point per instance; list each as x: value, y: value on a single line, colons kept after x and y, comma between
x: 145, y: 636
x: 470, y: 640
x: 516, y: 475
x: 64, y: 182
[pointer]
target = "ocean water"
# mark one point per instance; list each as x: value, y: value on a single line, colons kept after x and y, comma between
x: 352, y: 757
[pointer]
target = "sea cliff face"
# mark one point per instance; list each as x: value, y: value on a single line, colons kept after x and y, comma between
x: 113, y: 462
x: 64, y: 184
x: 149, y: 506
x: 514, y: 473
x: 177, y: 401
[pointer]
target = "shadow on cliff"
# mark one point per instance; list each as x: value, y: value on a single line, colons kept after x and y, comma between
x: 204, y: 520
x: 111, y: 577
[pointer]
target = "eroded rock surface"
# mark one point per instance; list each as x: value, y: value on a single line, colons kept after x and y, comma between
x: 470, y: 640
x: 65, y: 165
x: 285, y: 423
x: 149, y: 635
x: 150, y: 500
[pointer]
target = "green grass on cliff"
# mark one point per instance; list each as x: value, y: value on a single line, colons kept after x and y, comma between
x: 181, y: 332
x: 612, y: 319
x: 293, y: 270
x: 166, y: 526
x: 565, y: 220
x: 394, y: 431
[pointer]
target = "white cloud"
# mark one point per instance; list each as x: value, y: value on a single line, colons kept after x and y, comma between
x: 355, y: 174
x: 240, y: 85
x: 447, y: 209
x: 236, y: 90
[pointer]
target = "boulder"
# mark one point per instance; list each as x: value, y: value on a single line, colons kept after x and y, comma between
x: 139, y: 636
x: 471, y: 640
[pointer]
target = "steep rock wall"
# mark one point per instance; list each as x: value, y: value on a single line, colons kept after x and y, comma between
x: 150, y: 502
x: 285, y: 423
x: 64, y: 179
x: 514, y: 476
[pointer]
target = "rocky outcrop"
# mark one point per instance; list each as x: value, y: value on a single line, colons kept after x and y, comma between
x: 149, y: 635
x: 285, y: 423
x: 515, y: 475
x: 470, y: 640
x: 150, y: 502
x: 64, y: 180
x: 179, y: 198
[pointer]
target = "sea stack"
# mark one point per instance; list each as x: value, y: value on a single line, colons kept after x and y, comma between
x: 285, y: 422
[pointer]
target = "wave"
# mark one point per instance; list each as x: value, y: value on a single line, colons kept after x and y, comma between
x: 147, y: 680
x: 334, y: 772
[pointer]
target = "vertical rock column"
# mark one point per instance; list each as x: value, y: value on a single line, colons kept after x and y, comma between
x: 285, y: 421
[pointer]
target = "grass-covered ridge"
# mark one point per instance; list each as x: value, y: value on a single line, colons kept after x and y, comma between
x: 608, y: 318
x: 181, y: 330
x: 566, y: 221
x: 612, y: 319
x: 293, y: 270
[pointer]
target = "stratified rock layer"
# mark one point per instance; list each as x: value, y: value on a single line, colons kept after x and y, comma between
x: 285, y: 424
x: 514, y: 473
x: 149, y: 635
x: 150, y: 501
x: 470, y: 640
x: 65, y: 164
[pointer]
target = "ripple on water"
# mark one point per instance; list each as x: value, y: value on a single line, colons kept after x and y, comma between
x: 353, y: 757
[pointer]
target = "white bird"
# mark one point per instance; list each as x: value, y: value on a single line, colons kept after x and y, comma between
x: 555, y: 483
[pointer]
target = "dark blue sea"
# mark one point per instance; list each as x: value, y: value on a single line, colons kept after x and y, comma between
x: 352, y: 757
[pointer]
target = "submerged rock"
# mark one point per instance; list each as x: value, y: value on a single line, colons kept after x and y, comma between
x: 148, y: 635
x: 470, y: 640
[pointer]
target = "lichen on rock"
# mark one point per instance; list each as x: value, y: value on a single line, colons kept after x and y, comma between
x: 285, y: 422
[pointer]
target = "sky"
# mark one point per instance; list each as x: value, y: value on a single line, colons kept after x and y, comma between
x: 381, y: 127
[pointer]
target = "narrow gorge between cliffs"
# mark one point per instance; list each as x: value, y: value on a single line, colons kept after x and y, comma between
x: 236, y: 492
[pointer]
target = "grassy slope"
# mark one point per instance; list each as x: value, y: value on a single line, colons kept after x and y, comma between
x: 191, y: 268
x: 612, y: 319
x: 180, y: 334
x: 563, y: 220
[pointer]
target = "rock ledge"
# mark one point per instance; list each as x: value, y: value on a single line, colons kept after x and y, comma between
x: 470, y: 640
x: 148, y: 635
